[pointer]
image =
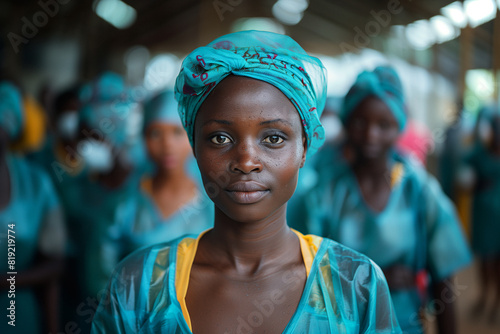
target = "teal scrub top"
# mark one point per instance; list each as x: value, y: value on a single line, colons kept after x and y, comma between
x: 345, y: 292
x: 35, y: 217
x: 486, y: 202
x: 418, y: 228
x: 149, y: 227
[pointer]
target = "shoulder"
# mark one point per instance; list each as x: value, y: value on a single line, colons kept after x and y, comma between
x: 348, y: 261
x: 144, y: 259
x: 30, y: 178
x: 349, y: 264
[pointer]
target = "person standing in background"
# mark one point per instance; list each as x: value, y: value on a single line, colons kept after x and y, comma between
x: 385, y: 205
x: 31, y: 217
x: 171, y: 202
x: 484, y: 159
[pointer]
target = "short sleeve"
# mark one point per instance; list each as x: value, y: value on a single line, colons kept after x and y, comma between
x: 447, y: 249
x: 116, y: 310
x: 379, y: 315
x: 365, y: 298
x: 138, y: 297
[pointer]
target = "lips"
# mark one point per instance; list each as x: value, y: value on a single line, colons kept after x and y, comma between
x: 246, y: 192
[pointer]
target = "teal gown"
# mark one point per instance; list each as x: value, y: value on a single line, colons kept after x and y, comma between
x: 486, y: 202
x: 345, y: 292
x: 39, y: 228
x: 418, y: 228
x: 149, y: 227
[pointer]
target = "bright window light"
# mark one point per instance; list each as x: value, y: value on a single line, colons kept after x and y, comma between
x: 444, y: 29
x: 258, y: 23
x: 420, y: 34
x: 290, y: 12
x: 115, y: 12
x: 455, y: 12
x: 293, y: 6
x: 480, y: 11
x: 161, y: 72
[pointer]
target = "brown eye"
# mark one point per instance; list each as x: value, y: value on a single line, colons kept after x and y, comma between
x: 179, y: 131
x: 154, y: 133
x: 220, y: 139
x: 273, y: 139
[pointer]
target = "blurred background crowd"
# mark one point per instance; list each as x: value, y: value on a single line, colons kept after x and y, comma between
x: 94, y: 162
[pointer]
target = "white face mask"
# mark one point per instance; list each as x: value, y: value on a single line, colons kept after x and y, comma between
x: 67, y: 125
x: 97, y: 155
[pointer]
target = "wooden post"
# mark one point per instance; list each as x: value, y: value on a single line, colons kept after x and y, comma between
x: 496, y: 57
x: 466, y: 57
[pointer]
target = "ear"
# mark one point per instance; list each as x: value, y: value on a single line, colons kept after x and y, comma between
x: 304, y: 152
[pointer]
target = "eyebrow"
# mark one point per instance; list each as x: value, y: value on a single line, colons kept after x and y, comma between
x: 218, y: 121
x: 278, y: 120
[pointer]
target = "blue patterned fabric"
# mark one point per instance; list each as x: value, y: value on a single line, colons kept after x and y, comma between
x: 273, y: 58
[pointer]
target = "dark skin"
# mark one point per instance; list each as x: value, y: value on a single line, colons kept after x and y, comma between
x: 249, y: 146
x: 45, y: 272
x: 168, y: 146
x: 372, y: 131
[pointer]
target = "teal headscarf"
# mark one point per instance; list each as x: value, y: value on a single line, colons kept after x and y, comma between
x: 108, y: 109
x: 11, y: 109
x: 162, y: 108
x: 383, y: 83
x: 273, y: 58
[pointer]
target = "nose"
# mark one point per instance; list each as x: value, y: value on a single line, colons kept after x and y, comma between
x: 245, y: 158
x: 168, y: 142
x: 372, y: 133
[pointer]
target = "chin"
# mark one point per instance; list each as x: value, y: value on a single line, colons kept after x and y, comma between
x: 246, y: 213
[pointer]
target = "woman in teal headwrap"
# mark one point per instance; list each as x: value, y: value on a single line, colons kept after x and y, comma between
x: 250, y: 103
x: 385, y: 205
x: 109, y: 130
x: 32, y: 239
x: 170, y: 203
x: 484, y: 159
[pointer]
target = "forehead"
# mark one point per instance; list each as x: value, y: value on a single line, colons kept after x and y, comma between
x: 239, y: 98
x: 373, y: 107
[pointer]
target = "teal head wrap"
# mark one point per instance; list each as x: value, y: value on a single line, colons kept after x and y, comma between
x: 383, y: 83
x: 273, y: 58
x: 161, y: 108
x: 110, y: 110
x: 11, y: 109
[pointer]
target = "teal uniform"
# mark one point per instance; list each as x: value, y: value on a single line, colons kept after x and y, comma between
x: 35, y: 217
x: 418, y: 228
x: 345, y: 292
x: 486, y: 203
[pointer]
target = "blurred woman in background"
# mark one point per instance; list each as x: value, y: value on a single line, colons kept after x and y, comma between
x: 171, y: 202
x: 385, y: 205
x: 32, y: 239
x: 484, y: 159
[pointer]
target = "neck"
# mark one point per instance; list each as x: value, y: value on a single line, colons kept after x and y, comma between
x: 372, y: 167
x: 175, y: 179
x: 248, y: 246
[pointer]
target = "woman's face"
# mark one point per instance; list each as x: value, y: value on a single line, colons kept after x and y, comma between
x: 167, y: 145
x: 372, y: 129
x: 249, y: 148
